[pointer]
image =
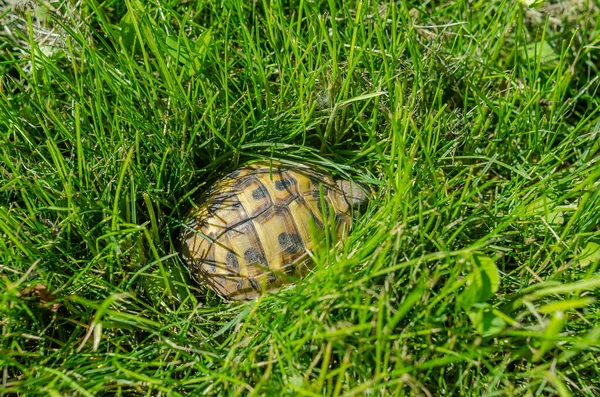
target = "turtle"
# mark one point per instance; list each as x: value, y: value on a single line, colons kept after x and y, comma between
x: 255, y: 229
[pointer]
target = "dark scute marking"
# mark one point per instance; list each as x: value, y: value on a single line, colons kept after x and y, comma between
x: 254, y: 284
x: 289, y: 269
x: 317, y: 222
x: 260, y: 193
x: 234, y: 174
x: 291, y: 243
x: 232, y: 261
x: 283, y: 184
x: 254, y: 256
x: 325, y: 207
x: 317, y: 196
x: 317, y: 193
x: 243, y: 182
x: 271, y: 278
x: 315, y: 180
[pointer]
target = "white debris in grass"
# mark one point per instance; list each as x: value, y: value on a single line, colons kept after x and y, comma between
x: 49, y: 36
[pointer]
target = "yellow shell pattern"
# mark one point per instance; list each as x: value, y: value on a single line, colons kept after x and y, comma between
x: 253, y: 229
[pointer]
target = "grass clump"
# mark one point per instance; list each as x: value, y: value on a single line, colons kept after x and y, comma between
x: 473, y: 272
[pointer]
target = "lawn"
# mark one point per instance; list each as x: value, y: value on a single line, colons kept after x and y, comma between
x: 474, y: 270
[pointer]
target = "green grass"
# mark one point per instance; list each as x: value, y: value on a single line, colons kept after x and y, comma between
x: 474, y: 270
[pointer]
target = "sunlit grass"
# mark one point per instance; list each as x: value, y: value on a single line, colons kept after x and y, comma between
x: 474, y: 270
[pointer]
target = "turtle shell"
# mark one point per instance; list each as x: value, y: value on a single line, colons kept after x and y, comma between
x: 256, y: 227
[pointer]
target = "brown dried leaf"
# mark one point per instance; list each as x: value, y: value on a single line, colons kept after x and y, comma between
x: 41, y: 291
